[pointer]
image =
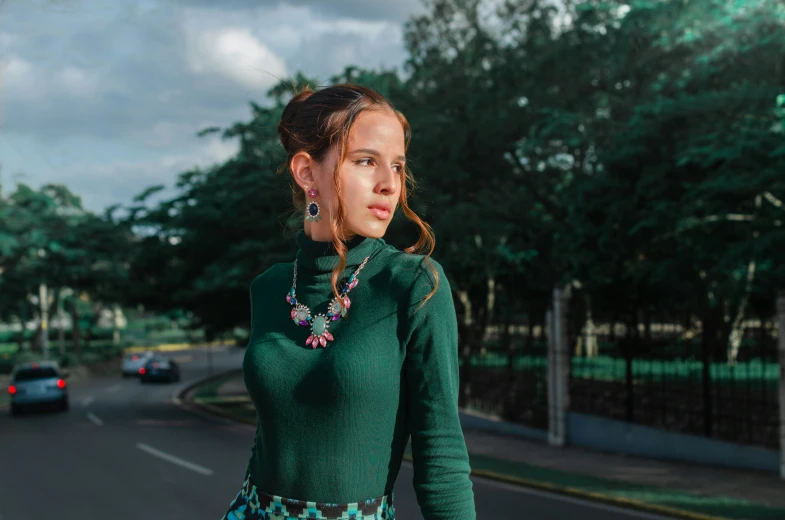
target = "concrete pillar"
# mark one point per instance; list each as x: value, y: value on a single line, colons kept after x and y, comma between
x: 781, y: 351
x: 558, y: 369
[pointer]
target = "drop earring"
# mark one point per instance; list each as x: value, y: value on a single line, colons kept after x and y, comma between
x: 312, y: 213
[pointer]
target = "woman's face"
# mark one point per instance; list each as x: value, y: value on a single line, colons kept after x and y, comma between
x: 370, y: 176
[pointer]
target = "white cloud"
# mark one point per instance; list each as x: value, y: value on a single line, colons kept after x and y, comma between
x: 18, y: 76
x: 218, y: 151
x: 393, y: 10
x: 364, y: 28
x: 77, y: 81
x: 165, y: 96
x: 234, y: 53
x: 7, y: 40
x: 101, y: 184
x: 122, y: 90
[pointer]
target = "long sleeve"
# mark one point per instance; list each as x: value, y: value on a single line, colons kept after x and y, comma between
x: 441, y: 462
x: 250, y: 335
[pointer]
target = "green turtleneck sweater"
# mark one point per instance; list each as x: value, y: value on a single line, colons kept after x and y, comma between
x: 334, y: 422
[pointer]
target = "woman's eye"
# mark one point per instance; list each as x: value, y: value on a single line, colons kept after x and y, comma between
x: 368, y: 161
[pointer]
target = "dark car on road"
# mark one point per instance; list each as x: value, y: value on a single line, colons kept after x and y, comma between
x: 160, y: 368
x: 133, y: 362
x: 38, y: 385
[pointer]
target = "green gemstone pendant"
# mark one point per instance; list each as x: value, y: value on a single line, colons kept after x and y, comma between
x: 319, y: 325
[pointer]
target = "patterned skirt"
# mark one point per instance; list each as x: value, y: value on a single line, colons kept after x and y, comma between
x: 252, y: 504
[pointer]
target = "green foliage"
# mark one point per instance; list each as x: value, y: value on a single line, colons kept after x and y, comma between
x: 632, y: 150
x: 630, y: 146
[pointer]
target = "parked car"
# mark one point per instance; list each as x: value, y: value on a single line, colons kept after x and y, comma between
x: 36, y: 385
x: 160, y: 368
x: 133, y: 362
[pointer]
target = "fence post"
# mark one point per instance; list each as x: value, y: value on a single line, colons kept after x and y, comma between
x: 558, y: 370
x: 551, y: 378
x: 781, y: 352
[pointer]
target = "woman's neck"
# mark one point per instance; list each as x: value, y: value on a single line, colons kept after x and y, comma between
x: 323, y: 233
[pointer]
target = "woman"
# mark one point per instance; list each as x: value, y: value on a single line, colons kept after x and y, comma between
x: 353, y: 345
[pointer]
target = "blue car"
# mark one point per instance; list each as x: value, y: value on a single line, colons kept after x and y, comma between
x: 36, y: 385
x: 159, y: 368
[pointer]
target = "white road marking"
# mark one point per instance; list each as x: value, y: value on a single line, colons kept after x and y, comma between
x: 174, y: 460
x: 113, y: 388
x: 87, y: 400
x: 95, y: 419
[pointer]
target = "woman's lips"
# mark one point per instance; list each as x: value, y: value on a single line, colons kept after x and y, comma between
x: 380, y: 211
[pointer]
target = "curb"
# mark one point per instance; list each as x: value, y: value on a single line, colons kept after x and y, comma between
x: 173, y: 347
x: 196, y: 405
x: 209, y: 379
x: 625, y: 503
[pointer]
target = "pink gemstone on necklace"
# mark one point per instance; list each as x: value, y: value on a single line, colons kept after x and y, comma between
x: 328, y: 336
x: 347, y: 302
x: 288, y: 298
x: 353, y: 284
x: 309, y: 340
x: 315, y: 341
x: 323, y: 341
x: 293, y: 313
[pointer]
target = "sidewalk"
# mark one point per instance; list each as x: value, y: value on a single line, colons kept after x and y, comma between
x: 678, y: 489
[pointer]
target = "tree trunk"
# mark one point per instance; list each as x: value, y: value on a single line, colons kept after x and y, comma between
x: 61, y: 331
x: 711, y: 320
x: 529, y: 331
x: 590, y: 335
x: 35, y: 341
x: 465, y: 352
x: 510, y: 408
x: 737, y: 328
x: 75, y: 328
x: 628, y: 345
x: 647, y: 324
x: 20, y: 338
x: 116, y: 325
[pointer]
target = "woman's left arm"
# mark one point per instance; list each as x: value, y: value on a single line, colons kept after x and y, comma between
x: 441, y: 461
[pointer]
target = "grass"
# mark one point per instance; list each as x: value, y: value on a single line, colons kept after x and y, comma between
x: 241, y: 408
x: 610, y: 368
x: 722, y: 507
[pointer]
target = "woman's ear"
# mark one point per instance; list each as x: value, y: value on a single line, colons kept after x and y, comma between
x: 303, y: 165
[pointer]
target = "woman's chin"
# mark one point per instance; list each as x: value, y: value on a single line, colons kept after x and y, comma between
x: 369, y: 230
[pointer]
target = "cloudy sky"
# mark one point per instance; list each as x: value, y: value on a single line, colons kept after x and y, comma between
x: 106, y: 96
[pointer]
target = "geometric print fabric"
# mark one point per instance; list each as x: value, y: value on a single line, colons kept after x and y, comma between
x: 250, y: 504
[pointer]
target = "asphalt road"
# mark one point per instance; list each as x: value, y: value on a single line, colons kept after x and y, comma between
x: 128, y: 451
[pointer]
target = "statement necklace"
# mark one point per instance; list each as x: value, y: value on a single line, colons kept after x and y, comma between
x: 320, y: 324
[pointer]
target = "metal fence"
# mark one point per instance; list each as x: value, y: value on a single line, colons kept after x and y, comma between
x: 668, y: 379
x: 664, y: 378
x: 508, y: 377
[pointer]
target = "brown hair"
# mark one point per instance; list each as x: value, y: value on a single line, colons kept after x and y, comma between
x: 315, y: 122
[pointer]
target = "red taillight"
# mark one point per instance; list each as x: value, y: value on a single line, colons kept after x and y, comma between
x: 142, y: 370
x: 61, y: 383
x: 12, y: 389
x: 134, y: 357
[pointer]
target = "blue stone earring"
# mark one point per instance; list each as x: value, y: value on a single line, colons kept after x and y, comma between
x: 312, y: 213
